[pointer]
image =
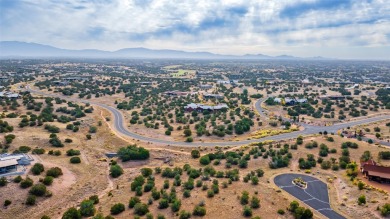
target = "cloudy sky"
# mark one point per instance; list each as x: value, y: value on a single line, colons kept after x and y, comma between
x: 330, y: 28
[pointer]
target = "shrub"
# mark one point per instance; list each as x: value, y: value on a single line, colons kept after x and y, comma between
x: 38, y: 190
x: 26, y: 183
x: 163, y: 204
x: 37, y: 169
x: 247, y: 212
x: 56, y: 142
x: 17, y: 179
x: 72, y: 152
x: 176, y: 205
x: 255, y: 202
x: 281, y: 211
x: 385, y: 155
x: 95, y: 199
x: 362, y: 200
x: 38, y: 151
x: 54, y: 172
x: 87, y: 208
x: 92, y: 129
x: 71, y: 213
x: 204, y: 160
x: 24, y: 149
x: 184, y: 214
x: 7, y: 202
x: 360, y: 185
x: 116, y: 171
x: 117, y: 208
x: 133, y: 201
x: 48, y: 180
x: 146, y: 172
x: 141, y: 209
x: 75, y: 160
x: 244, y: 199
x: 199, y: 211
x: 385, y: 210
x: 3, y: 181
x: 31, y: 200
x: 195, y: 154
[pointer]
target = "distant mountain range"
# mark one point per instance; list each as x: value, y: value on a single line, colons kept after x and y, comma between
x: 14, y: 49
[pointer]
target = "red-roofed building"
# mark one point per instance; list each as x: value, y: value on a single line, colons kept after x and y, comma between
x: 372, y: 171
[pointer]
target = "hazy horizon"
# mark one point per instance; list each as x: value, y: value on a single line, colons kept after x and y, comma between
x: 342, y: 29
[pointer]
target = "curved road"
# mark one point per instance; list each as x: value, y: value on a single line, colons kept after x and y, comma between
x: 120, y: 127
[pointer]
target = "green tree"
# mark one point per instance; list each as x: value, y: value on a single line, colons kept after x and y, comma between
x: 38, y: 190
x: 117, y: 208
x: 37, y: 168
x: 141, y: 209
x: 87, y: 208
x: 71, y: 213
x: 195, y: 154
x: 116, y: 171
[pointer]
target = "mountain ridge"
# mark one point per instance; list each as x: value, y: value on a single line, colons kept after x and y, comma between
x: 29, y: 50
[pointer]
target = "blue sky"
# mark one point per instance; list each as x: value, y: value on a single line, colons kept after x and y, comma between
x: 331, y: 28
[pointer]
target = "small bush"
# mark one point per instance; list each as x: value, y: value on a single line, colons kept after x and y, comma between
x: 31, y: 200
x: 117, y: 208
x: 75, y: 160
x: 38, y: 190
x: 28, y: 182
x: 116, y: 171
x: 37, y: 169
x: 3, y: 181
x: 54, y: 172
x: 7, y: 202
x: 48, y: 180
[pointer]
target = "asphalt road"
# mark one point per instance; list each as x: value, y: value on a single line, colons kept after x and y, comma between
x: 121, y: 128
x: 315, y: 195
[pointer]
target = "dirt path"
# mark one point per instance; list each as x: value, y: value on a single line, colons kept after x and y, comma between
x: 110, y: 187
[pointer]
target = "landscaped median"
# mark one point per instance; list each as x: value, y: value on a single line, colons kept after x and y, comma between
x: 267, y: 132
x: 300, y: 183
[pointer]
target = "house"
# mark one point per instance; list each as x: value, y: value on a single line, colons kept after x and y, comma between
x: 213, y: 96
x: 9, y: 95
x: 201, y: 107
x: 9, y: 162
x: 178, y: 93
x: 85, y: 78
x: 145, y: 83
x: 302, y: 100
x: 372, y: 171
x: 289, y: 101
x: 60, y: 83
x: 7, y: 166
x: 3, y: 78
x: 306, y: 81
x: 223, y: 82
x: 206, y: 86
x: 332, y: 97
x: 353, y: 87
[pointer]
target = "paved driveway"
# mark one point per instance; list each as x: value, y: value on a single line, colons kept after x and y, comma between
x: 315, y: 195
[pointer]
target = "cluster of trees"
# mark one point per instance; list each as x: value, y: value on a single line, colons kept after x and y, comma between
x: 133, y: 152
x: 86, y: 209
x: 300, y: 212
x: 249, y: 203
x: 5, y: 127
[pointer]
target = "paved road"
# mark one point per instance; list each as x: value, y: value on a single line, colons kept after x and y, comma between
x: 121, y: 128
x: 315, y: 195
